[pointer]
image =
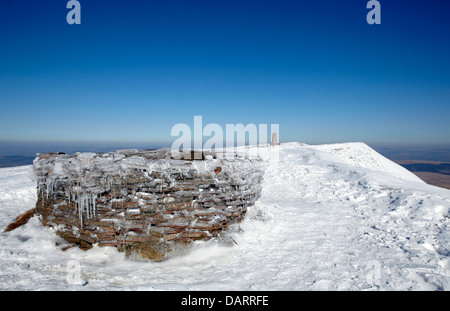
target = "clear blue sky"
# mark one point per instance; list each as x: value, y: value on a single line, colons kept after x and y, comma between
x: 133, y: 69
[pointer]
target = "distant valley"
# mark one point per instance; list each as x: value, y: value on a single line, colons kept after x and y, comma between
x: 432, y: 172
x: 15, y: 160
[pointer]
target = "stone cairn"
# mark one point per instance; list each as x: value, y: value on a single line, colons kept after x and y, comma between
x: 143, y: 202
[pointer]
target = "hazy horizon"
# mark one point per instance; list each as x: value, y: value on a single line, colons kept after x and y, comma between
x: 429, y: 152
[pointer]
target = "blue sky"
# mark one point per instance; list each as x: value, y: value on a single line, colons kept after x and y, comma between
x: 133, y: 69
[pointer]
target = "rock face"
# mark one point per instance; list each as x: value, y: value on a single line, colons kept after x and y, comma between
x: 143, y: 202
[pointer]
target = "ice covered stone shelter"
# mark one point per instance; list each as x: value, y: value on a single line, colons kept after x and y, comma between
x: 143, y: 202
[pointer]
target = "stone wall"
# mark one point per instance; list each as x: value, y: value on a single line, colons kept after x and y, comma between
x: 143, y: 202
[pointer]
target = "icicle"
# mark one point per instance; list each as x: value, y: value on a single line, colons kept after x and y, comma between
x: 80, y: 207
x: 94, y: 206
x: 89, y: 202
x: 46, y: 190
x: 86, y: 206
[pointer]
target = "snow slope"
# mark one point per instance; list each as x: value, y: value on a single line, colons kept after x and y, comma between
x: 360, y: 154
x: 331, y: 217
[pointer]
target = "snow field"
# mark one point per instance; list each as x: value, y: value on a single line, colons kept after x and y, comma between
x: 331, y: 217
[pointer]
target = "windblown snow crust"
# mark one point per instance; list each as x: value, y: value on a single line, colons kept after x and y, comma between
x: 359, y: 154
x: 330, y: 217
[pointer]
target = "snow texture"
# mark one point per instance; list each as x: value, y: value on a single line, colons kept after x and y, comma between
x: 331, y: 217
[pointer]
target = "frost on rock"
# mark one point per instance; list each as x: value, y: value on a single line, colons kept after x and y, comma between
x: 129, y: 196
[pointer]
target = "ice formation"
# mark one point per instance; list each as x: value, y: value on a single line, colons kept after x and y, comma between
x: 140, y: 196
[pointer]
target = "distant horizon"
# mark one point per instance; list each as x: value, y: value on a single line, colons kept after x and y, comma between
x: 168, y: 143
x: 437, y: 152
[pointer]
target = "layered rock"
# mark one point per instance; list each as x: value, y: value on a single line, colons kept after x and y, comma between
x: 143, y: 202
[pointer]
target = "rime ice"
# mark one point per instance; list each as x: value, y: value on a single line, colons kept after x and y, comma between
x: 129, y: 196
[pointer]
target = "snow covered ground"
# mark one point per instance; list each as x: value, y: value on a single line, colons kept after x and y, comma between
x: 331, y: 217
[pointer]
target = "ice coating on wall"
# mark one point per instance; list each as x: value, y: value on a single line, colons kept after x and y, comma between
x: 138, y: 196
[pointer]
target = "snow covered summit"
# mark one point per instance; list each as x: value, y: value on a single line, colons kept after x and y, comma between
x: 330, y: 217
x: 359, y: 154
